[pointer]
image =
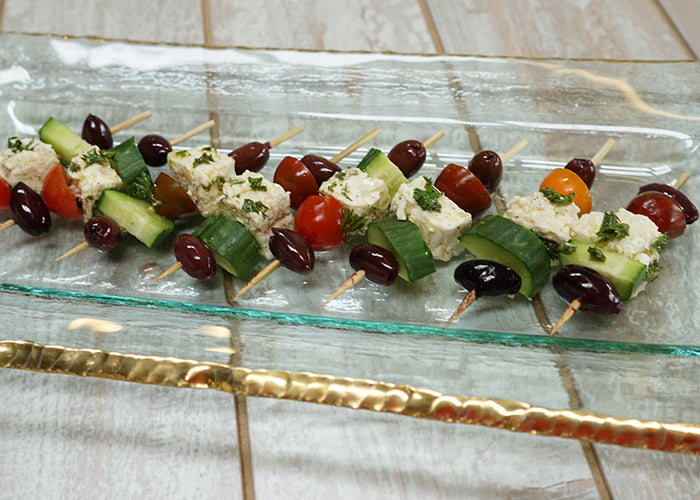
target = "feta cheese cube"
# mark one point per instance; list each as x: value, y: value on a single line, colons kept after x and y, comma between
x: 27, y: 160
x: 91, y: 174
x: 552, y: 221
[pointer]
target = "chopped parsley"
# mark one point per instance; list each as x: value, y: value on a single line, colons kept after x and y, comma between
x: 660, y: 243
x: 94, y: 156
x: 255, y: 206
x: 16, y: 145
x: 428, y: 198
x: 555, y: 197
x: 256, y: 184
x: 205, y: 158
x: 653, y: 270
x: 351, y: 223
x: 340, y: 176
x: 596, y: 254
x: 235, y: 181
x: 182, y: 153
x: 612, y: 228
x: 218, y: 182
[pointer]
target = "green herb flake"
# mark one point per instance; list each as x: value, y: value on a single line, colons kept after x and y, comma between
x: 236, y: 181
x: 205, y: 158
x: 660, y: 243
x: 428, y: 198
x: 256, y: 184
x: 351, y: 223
x: 16, y: 145
x: 93, y: 157
x: 557, y: 198
x: 340, y: 176
x: 612, y: 228
x: 182, y: 154
x: 255, y: 207
x: 596, y: 254
x: 653, y: 270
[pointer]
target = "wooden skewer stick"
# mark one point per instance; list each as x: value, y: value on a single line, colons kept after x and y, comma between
x: 130, y: 122
x: 513, y: 151
x: 76, y: 249
x: 193, y: 132
x: 566, y: 315
x: 466, y: 302
x: 603, y: 151
x: 430, y: 142
x: 355, y: 145
x: 349, y: 283
x: 169, y: 271
x: 286, y: 136
x: 7, y: 224
x: 267, y: 271
x: 682, y: 180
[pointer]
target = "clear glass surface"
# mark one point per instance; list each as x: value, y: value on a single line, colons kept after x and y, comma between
x: 641, y: 363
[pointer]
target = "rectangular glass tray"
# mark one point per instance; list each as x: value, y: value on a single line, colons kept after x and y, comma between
x: 498, y: 348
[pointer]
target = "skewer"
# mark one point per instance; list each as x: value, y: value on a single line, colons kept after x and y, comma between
x: 566, y: 315
x: 267, y: 271
x: 513, y: 151
x: 603, y: 151
x: 286, y: 136
x: 175, y: 267
x: 76, y: 249
x: 193, y: 132
x: 432, y: 140
x: 349, y: 283
x: 466, y: 302
x: 130, y: 121
x: 355, y: 145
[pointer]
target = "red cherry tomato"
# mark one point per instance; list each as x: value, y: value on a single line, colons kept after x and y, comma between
x: 294, y: 177
x: 57, y: 194
x: 4, y: 195
x: 663, y: 211
x: 319, y: 219
x: 464, y: 188
x: 173, y: 201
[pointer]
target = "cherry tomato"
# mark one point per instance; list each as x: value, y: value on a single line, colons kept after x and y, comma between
x: 319, y: 219
x: 173, y: 201
x: 663, y: 211
x: 57, y: 194
x: 464, y: 188
x: 4, y: 195
x: 565, y: 181
x: 294, y: 177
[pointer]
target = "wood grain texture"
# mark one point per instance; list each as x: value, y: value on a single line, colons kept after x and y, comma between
x: 120, y: 19
x: 390, y: 25
x: 598, y: 29
x: 74, y: 437
x: 685, y: 17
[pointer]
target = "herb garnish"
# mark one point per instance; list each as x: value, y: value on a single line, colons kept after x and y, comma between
x: 205, y: 158
x: 660, y: 243
x: 255, y: 206
x: 16, y: 145
x: 653, y: 270
x: 428, y: 198
x: 351, y: 223
x: 596, y: 254
x: 256, y: 184
x: 612, y: 228
x: 94, y: 156
x: 555, y: 197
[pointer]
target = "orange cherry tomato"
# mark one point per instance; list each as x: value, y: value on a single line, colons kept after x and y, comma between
x: 565, y: 182
x: 57, y: 194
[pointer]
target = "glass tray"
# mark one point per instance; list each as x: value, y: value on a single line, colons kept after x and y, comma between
x: 642, y: 363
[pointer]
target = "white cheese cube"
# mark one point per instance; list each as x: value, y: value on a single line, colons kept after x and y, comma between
x: 552, y: 221
x: 91, y: 174
x: 27, y: 160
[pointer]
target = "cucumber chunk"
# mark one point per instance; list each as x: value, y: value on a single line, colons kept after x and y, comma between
x: 64, y: 141
x: 378, y: 165
x: 506, y: 242
x: 234, y: 247
x: 403, y: 239
x: 131, y: 167
x: 624, y: 273
x: 135, y: 216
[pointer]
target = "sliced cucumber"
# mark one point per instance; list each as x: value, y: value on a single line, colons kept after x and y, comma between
x: 506, y: 242
x: 135, y: 216
x: 624, y: 273
x: 378, y: 165
x: 64, y: 141
x: 129, y: 164
x: 233, y: 245
x: 404, y: 240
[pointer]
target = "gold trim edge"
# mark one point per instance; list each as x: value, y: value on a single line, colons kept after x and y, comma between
x: 352, y: 393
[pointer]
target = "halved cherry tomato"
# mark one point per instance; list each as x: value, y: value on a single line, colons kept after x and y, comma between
x: 294, y: 177
x: 4, y: 195
x: 173, y: 202
x: 320, y: 219
x: 464, y: 188
x: 565, y: 181
x: 57, y: 194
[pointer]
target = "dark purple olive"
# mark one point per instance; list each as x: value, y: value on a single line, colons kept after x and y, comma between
x: 409, y: 156
x: 196, y: 259
x: 487, y: 278
x: 154, y: 150
x: 102, y: 233
x: 97, y: 133
x: 596, y: 293
x: 292, y: 249
x: 584, y: 168
x: 252, y: 156
x: 378, y: 263
x: 689, y: 209
x: 28, y: 210
x: 320, y: 168
x: 488, y: 168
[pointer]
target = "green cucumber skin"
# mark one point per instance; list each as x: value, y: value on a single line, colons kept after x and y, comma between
x: 131, y: 167
x: 506, y: 242
x: 62, y: 139
x: 135, y: 216
x: 404, y: 240
x: 234, y: 247
x: 376, y: 164
x: 624, y: 273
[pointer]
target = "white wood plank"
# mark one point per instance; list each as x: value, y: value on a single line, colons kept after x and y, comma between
x: 72, y: 437
x: 178, y: 21
x: 685, y: 16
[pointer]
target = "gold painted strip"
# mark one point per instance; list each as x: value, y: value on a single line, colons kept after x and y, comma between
x: 353, y: 393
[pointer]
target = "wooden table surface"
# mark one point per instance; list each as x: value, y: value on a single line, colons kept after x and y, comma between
x: 68, y: 436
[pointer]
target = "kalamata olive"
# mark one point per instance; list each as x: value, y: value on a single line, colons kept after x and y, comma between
x: 292, y: 249
x: 663, y: 211
x: 252, y: 156
x: 409, y: 156
x: 102, y: 233
x: 487, y: 278
x: 488, y: 168
x: 154, y: 150
x: 321, y: 168
x: 379, y: 263
x: 689, y: 209
x: 97, y: 133
x: 196, y: 259
x: 596, y: 293
x: 584, y: 168
x: 29, y: 211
